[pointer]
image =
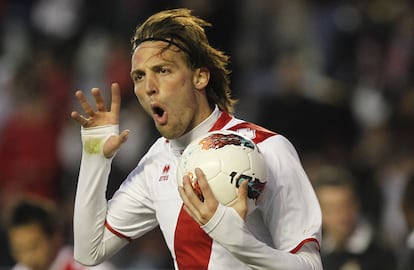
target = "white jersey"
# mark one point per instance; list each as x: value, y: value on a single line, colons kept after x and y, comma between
x: 287, y: 218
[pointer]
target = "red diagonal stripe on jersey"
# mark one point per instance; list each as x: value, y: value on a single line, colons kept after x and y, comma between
x: 192, y: 245
x: 222, y: 121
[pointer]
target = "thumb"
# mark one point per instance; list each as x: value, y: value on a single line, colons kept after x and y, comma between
x: 114, y: 143
x: 123, y: 137
x: 242, y: 194
x: 240, y: 204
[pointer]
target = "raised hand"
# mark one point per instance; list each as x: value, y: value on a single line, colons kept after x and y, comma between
x: 101, y: 116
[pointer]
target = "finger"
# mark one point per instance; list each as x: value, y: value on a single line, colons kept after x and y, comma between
x: 241, y: 203
x: 208, y: 207
x: 204, y: 186
x: 114, y: 143
x: 242, y: 194
x: 87, y: 108
x: 79, y: 118
x: 116, y: 98
x: 100, y: 103
x: 190, y: 197
x: 189, y: 188
x: 185, y: 193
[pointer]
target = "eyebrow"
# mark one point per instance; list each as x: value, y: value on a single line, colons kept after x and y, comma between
x: 136, y: 72
x: 163, y: 63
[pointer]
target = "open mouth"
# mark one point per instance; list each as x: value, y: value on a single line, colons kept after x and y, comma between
x: 159, y: 114
x: 158, y: 111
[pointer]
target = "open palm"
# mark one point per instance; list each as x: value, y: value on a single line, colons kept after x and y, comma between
x: 99, y: 115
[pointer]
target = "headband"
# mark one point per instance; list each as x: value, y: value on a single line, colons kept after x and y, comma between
x: 136, y: 42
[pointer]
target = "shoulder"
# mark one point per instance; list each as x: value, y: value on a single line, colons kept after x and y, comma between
x: 253, y: 131
x: 159, y: 150
x: 268, y: 141
x: 159, y: 145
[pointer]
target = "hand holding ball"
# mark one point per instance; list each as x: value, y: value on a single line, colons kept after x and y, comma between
x: 227, y: 159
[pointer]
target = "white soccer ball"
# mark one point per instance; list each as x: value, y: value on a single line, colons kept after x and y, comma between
x: 227, y: 159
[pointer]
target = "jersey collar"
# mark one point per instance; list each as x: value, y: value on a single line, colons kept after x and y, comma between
x: 217, y: 120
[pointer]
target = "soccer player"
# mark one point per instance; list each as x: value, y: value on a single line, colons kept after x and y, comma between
x: 182, y: 82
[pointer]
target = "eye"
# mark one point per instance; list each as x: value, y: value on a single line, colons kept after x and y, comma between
x: 137, y: 77
x: 163, y: 70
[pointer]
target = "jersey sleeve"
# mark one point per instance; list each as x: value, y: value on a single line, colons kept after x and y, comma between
x: 290, y: 206
x: 289, y: 211
x: 93, y: 243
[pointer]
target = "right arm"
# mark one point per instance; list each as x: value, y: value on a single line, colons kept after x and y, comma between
x: 93, y: 242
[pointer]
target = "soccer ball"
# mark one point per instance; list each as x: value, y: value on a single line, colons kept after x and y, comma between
x: 227, y: 159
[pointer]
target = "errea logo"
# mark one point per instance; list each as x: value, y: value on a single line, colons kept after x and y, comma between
x: 165, y: 173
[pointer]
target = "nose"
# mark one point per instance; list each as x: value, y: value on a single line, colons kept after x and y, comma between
x: 151, y: 84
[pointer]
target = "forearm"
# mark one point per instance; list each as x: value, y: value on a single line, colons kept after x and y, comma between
x: 229, y: 230
x: 93, y: 243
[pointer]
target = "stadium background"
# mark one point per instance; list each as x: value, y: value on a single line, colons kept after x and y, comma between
x: 335, y: 77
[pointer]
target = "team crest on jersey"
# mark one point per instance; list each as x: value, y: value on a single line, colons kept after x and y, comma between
x: 247, y: 132
x: 165, y: 173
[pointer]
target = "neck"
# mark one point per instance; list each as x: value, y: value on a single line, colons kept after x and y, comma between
x: 180, y: 143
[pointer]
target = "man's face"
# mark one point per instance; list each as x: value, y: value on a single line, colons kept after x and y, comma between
x: 339, y: 211
x: 168, y: 90
x: 31, y: 247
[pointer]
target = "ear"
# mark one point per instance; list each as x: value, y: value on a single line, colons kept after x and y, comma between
x: 201, y: 77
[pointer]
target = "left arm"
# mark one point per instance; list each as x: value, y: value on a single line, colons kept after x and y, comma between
x: 227, y: 226
x: 230, y: 231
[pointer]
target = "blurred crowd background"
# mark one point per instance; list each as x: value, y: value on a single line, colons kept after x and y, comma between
x: 334, y: 76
